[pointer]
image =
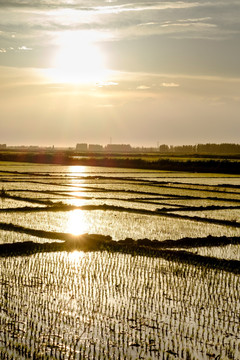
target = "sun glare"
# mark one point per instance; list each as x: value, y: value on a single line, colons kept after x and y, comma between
x: 75, y: 256
x: 77, y: 223
x: 78, y: 59
x: 76, y: 170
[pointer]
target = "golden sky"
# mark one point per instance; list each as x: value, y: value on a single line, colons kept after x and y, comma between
x: 140, y: 72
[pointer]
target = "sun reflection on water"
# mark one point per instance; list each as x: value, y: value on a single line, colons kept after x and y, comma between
x: 77, y: 223
x: 76, y: 170
x: 75, y: 256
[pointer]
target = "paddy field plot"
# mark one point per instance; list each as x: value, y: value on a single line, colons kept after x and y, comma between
x: 159, y: 278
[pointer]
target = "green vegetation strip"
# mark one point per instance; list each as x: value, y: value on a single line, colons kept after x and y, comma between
x: 140, y: 162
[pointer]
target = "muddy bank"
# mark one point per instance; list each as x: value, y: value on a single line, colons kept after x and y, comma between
x: 164, y: 212
x: 102, y: 239
x: 142, y: 247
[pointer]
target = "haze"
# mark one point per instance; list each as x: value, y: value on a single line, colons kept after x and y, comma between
x: 140, y: 72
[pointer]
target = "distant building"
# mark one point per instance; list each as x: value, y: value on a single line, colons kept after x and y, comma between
x: 3, y: 146
x: 82, y: 147
x: 118, y: 148
x: 95, y: 147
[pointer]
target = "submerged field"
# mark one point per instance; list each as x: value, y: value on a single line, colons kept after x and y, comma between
x: 103, y: 263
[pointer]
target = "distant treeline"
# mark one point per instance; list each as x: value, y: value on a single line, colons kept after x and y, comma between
x: 202, y: 149
x: 193, y: 164
x: 204, y: 166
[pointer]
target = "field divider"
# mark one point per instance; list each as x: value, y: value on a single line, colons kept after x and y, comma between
x: 142, y: 247
x: 164, y: 212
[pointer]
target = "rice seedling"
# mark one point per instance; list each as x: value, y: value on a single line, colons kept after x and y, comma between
x: 105, y: 304
x: 127, y: 303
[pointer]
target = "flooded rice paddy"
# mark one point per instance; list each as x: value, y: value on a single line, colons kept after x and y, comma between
x: 157, y: 276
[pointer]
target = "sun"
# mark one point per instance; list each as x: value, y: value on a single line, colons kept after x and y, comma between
x: 78, y: 58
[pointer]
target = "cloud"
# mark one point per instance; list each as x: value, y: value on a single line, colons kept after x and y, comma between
x: 148, y: 24
x: 99, y: 5
x: 142, y: 7
x: 143, y: 87
x: 107, y: 83
x: 172, y: 84
x: 196, y: 25
x: 40, y: 21
x: 136, y: 35
x: 24, y: 48
x: 20, y: 48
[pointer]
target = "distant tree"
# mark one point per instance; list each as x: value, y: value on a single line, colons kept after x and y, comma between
x: 224, y: 148
x: 164, y: 148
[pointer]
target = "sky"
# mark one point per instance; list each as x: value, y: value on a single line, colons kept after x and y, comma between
x: 134, y: 72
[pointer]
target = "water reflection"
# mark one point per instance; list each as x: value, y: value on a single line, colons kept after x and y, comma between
x: 75, y: 256
x: 77, y: 223
x: 76, y: 170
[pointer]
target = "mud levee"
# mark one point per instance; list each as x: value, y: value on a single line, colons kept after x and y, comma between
x: 145, y: 247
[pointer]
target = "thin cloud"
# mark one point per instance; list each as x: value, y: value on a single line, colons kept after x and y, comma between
x: 53, y: 16
x: 24, y: 48
x: 143, y: 87
x: 195, y: 25
x: 196, y: 19
x: 107, y: 83
x: 97, y: 5
x: 148, y: 24
x: 145, y: 7
x: 20, y: 48
x: 172, y: 84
